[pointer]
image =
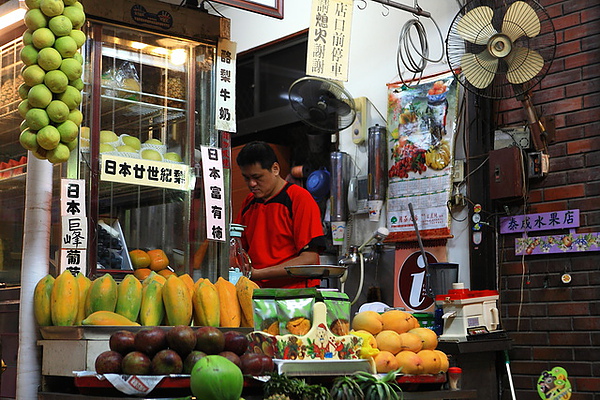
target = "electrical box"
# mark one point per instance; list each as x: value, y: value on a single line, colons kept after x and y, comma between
x: 366, y: 115
x: 512, y: 136
x: 506, y: 173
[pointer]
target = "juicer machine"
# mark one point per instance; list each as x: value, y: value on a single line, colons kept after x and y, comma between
x: 468, y: 314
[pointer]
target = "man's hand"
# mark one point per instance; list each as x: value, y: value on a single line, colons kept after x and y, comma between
x: 279, y: 272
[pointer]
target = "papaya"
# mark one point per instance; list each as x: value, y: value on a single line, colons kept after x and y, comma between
x: 177, y: 301
x: 84, y: 284
x: 158, y: 260
x: 207, y: 311
x: 189, y: 282
x: 244, y: 288
x: 153, y: 276
x: 108, y: 318
x: 129, y: 298
x: 230, y: 310
x: 102, y: 295
x: 41, y: 300
x: 198, y: 282
x: 152, y: 310
x: 64, y: 299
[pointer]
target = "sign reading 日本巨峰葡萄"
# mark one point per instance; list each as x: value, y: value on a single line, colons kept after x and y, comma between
x: 143, y: 172
x: 74, y: 234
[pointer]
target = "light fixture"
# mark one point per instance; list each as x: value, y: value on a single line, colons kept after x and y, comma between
x: 178, y: 56
x: 138, y: 45
x: 160, y: 51
x: 11, y: 13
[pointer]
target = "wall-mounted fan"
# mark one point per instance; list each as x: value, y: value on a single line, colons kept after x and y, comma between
x: 499, y: 49
x: 322, y: 104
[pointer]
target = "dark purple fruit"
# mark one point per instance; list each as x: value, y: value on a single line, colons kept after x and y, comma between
x: 231, y: 356
x: 108, y: 362
x: 252, y: 364
x: 236, y: 342
x: 136, y: 363
x: 182, y: 339
x: 150, y: 340
x: 210, y: 340
x: 122, y: 342
x: 267, y: 363
x: 191, y: 360
x: 167, y: 362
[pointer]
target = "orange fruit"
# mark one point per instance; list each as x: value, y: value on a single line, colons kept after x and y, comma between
x: 158, y: 260
x: 369, y: 321
x: 142, y: 273
x: 397, y: 320
x: 166, y: 272
x: 385, y: 362
x: 139, y: 259
x: 388, y: 340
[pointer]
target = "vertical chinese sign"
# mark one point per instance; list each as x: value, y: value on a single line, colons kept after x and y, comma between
x: 73, y: 249
x: 212, y: 176
x: 329, y: 39
x: 225, y: 114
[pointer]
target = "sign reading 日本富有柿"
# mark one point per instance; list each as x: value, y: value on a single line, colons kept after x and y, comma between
x: 329, y: 39
x: 214, y: 189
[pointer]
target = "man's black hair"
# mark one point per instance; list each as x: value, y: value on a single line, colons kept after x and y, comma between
x: 257, y: 152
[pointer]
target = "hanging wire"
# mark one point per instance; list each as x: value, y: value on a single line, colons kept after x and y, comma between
x: 407, y: 47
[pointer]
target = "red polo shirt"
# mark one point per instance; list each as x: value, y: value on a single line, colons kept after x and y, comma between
x: 279, y: 229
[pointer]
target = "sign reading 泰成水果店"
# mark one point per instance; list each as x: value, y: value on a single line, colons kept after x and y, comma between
x: 566, y: 219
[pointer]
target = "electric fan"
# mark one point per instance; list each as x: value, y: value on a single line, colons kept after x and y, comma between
x: 322, y: 104
x: 499, y: 49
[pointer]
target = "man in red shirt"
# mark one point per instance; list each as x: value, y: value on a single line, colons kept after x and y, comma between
x: 282, y: 220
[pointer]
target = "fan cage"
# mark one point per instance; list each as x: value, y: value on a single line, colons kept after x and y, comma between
x: 500, y: 88
x: 322, y: 104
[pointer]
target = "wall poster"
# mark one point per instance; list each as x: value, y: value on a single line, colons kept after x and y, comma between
x: 421, y: 128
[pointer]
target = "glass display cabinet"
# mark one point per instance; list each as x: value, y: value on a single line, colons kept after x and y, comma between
x: 148, y: 105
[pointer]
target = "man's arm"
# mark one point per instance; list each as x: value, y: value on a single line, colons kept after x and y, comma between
x: 278, y: 271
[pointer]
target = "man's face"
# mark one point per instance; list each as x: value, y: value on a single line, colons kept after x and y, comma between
x: 261, y: 182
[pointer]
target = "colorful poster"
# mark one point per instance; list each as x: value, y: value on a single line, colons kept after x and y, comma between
x: 421, y: 126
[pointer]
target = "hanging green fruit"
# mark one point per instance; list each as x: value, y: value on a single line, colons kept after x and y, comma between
x: 52, y: 71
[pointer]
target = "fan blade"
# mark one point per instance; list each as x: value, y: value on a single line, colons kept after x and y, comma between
x: 476, y: 25
x: 520, y: 19
x: 479, y: 69
x: 523, y: 64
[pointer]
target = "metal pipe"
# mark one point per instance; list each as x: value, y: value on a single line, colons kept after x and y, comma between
x: 412, y: 10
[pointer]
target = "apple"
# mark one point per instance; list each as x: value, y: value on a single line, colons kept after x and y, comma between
x: 172, y: 156
x: 108, y: 136
x: 149, y: 154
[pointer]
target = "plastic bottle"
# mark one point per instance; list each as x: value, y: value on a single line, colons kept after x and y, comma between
x: 239, y: 260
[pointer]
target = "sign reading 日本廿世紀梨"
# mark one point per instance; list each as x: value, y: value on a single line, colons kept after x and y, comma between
x: 329, y: 39
x: 143, y: 172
